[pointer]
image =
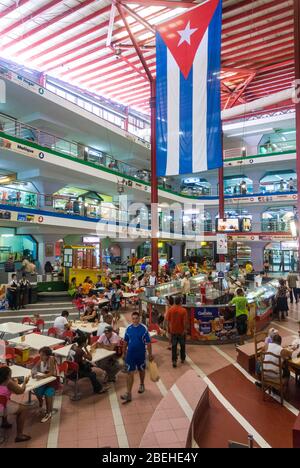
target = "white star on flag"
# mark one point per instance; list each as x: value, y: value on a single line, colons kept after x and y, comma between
x: 186, y: 34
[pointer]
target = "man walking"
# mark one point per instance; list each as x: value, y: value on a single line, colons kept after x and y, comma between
x: 136, y: 339
x: 292, y: 284
x: 177, y: 320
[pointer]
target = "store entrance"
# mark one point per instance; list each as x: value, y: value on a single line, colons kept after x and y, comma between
x: 282, y: 257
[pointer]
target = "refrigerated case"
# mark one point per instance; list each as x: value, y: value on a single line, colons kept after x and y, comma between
x: 240, y: 251
x: 214, y: 319
x: 274, y: 253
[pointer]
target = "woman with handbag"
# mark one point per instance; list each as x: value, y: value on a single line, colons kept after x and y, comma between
x: 47, y: 367
x: 282, y: 307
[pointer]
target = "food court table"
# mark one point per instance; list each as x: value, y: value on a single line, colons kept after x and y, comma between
x: 85, y: 327
x: 36, y: 342
x: 33, y: 384
x: 12, y: 328
x: 128, y: 296
x: 97, y: 356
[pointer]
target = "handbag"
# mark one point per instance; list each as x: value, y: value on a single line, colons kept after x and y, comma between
x: 153, y: 369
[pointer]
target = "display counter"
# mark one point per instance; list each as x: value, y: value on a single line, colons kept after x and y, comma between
x: 211, y: 318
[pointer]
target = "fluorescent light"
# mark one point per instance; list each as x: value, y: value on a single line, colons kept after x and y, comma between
x: 263, y: 130
x: 7, y: 235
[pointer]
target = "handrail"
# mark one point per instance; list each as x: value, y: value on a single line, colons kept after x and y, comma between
x: 27, y: 132
x: 71, y: 206
x: 15, y: 128
x: 54, y: 88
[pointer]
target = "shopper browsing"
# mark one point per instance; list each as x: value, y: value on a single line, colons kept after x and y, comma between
x: 241, y: 312
x: 176, y: 320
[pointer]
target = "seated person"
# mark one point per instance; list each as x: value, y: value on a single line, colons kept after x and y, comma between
x: 47, y: 367
x: 108, y: 321
x: 276, y: 348
x: 61, y: 323
x: 8, y: 386
x: 86, y: 286
x: 90, y: 315
x: 99, y: 283
x: 80, y: 354
x: 111, y: 341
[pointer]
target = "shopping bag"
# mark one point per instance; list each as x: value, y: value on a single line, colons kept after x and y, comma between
x: 153, y: 369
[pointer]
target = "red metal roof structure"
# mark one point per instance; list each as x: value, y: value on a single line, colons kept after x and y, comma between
x: 85, y: 42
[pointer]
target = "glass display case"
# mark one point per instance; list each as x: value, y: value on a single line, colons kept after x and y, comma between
x: 211, y: 318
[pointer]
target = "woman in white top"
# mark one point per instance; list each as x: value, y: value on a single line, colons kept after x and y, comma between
x: 271, y: 362
x: 46, y: 368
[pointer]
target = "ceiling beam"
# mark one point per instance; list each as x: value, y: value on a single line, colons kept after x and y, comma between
x: 91, y: 42
x: 55, y: 34
x: 30, y: 16
x: 139, y: 18
x: 63, y: 15
x: 12, y: 8
x: 164, y: 3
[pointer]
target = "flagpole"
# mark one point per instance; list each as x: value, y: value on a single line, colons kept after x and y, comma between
x: 154, y: 186
x: 221, y: 194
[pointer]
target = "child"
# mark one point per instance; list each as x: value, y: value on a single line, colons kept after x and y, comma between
x: 117, y: 295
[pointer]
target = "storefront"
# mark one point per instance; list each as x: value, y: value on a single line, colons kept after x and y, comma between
x: 237, y: 185
x: 278, y: 219
x: 279, y: 181
x: 73, y: 200
x: 194, y: 186
x: 239, y: 251
x: 19, y: 246
x: 282, y: 140
x: 20, y: 194
x: 282, y: 256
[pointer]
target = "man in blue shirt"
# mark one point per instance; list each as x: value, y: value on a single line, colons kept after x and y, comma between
x: 136, y: 338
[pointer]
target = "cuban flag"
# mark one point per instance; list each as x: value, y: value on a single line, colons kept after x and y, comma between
x: 188, y: 109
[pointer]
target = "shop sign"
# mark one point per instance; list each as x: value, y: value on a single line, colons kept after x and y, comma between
x: 25, y: 81
x: 276, y: 237
x: 5, y: 214
x: 244, y: 238
x: 20, y: 148
x: 27, y: 218
x: 222, y: 245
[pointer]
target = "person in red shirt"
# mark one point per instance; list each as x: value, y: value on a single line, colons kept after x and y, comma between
x: 177, y: 319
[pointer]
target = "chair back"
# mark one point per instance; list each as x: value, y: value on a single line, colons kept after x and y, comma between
x: 259, y: 343
x: 52, y: 332
x: 68, y: 334
x: 271, y: 377
x: 26, y: 320
x: 10, y: 353
x: 40, y: 323
x: 93, y: 339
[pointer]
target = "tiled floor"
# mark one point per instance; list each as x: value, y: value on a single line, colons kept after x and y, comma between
x: 90, y: 422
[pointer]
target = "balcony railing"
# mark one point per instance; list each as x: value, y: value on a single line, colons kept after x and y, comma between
x: 67, y: 205
x: 47, y: 140
x: 131, y: 123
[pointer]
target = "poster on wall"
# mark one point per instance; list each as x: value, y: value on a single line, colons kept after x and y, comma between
x: 49, y: 250
x: 222, y: 244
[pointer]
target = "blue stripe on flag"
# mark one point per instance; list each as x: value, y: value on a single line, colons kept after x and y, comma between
x: 186, y: 124
x: 214, y: 125
x: 161, y: 107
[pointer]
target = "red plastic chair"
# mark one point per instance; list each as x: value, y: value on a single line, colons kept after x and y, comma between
x: 154, y: 327
x: 26, y: 320
x: 3, y: 402
x: 72, y: 373
x: 33, y: 361
x: 10, y: 354
x: 52, y: 332
x: 40, y: 325
x: 93, y: 339
x: 68, y: 334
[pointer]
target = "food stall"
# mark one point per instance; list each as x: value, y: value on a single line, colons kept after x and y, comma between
x: 80, y: 261
x: 211, y: 318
